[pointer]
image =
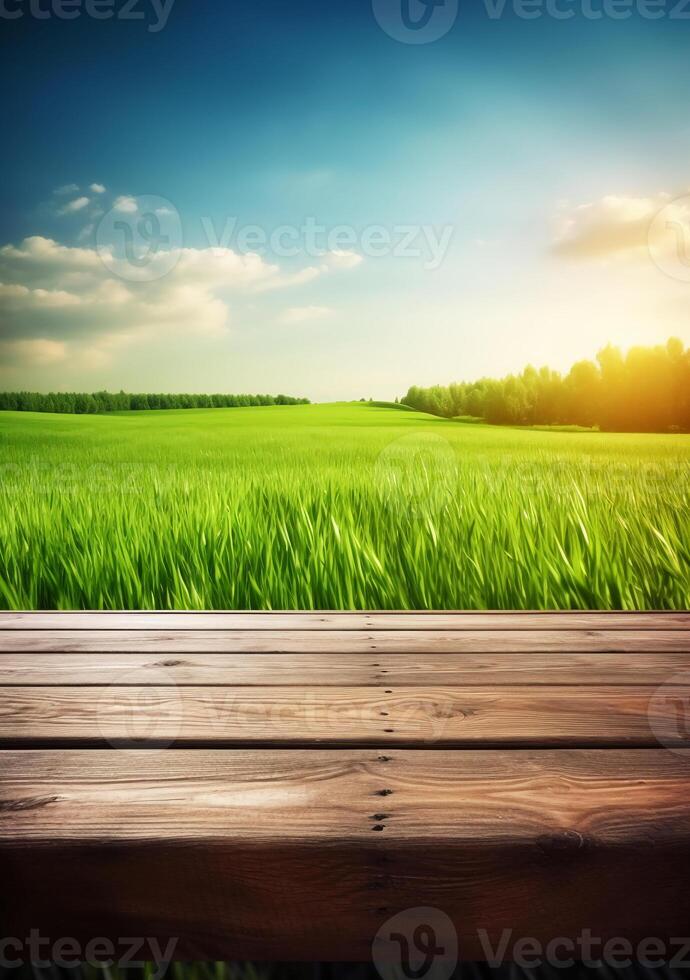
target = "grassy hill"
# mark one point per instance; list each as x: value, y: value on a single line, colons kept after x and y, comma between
x: 336, y: 506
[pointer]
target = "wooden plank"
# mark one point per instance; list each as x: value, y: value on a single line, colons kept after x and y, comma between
x: 293, y: 716
x: 357, y: 669
x: 344, y: 620
x: 278, y: 856
x: 343, y: 641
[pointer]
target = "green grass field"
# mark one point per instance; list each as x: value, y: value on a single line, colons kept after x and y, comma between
x: 336, y: 507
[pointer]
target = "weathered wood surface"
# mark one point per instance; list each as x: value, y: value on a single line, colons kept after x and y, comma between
x: 314, y: 716
x: 335, y: 642
x: 105, y: 796
x: 300, y: 777
x: 354, y: 670
x: 294, y: 854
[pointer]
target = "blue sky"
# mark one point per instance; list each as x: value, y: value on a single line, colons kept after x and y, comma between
x: 543, y: 148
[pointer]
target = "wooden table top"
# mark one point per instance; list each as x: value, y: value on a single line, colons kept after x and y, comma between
x: 279, y: 785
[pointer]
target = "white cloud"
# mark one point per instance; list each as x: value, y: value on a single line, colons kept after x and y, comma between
x: 330, y: 261
x: 43, y: 261
x: 76, y: 205
x: 304, y: 314
x: 66, y: 189
x: 288, y: 279
x: 126, y: 204
x: 614, y: 225
x: 342, y: 259
x: 54, y: 298
x: 13, y: 290
x: 42, y: 278
x: 85, y: 306
x: 39, y: 352
x: 65, y: 294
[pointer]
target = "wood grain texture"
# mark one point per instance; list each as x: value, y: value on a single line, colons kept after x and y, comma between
x: 313, y: 716
x: 322, y: 772
x: 344, y: 620
x: 276, y: 855
x: 355, y: 670
x: 335, y: 642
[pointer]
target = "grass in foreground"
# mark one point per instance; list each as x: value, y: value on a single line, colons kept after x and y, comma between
x: 336, y: 507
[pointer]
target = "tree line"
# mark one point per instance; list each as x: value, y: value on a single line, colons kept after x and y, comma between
x: 78, y: 403
x: 645, y: 390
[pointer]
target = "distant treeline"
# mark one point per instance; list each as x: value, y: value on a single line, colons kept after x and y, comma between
x: 75, y: 403
x: 645, y: 390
